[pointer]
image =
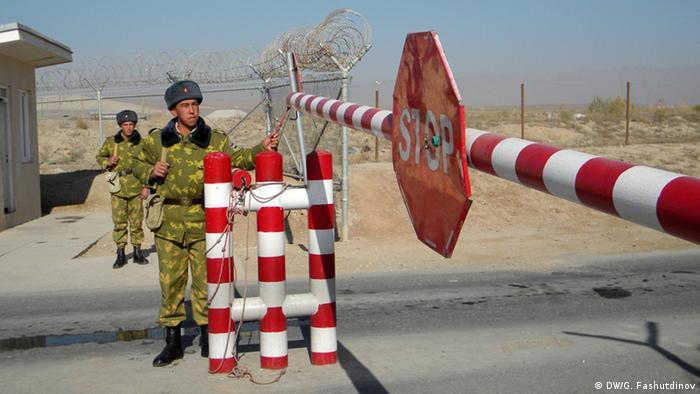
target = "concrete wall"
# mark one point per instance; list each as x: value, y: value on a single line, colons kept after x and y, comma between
x: 27, y: 195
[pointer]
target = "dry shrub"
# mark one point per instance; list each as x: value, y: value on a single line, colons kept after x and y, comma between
x: 81, y: 123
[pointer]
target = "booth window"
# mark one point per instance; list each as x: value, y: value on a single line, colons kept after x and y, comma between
x: 24, y: 126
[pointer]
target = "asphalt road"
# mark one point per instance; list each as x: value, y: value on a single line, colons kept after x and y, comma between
x: 623, y: 322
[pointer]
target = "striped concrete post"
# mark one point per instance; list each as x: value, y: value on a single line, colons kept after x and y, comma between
x: 220, y: 274
x: 271, y: 261
x: 324, y: 344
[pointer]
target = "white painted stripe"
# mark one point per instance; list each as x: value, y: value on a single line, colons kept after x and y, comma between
x: 314, y: 104
x: 323, y: 290
x: 270, y: 244
x: 323, y: 340
x: 300, y: 305
x: 320, y: 192
x: 273, y: 344
x: 559, y: 174
x: 255, y: 309
x: 266, y: 190
x: 636, y: 193
x: 376, y: 122
x: 273, y: 293
x: 357, y: 117
x: 218, y: 348
x: 340, y: 113
x: 263, y: 196
x: 321, y: 241
x: 216, y: 195
x: 294, y: 97
x: 295, y: 198
x: 327, y: 108
x: 220, y: 295
x: 504, y: 156
x: 302, y: 103
x: 218, y: 245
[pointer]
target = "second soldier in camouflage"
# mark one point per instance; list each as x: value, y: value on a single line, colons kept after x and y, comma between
x: 116, y: 155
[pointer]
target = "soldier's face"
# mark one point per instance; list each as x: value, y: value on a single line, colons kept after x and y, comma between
x: 128, y: 128
x: 187, y: 112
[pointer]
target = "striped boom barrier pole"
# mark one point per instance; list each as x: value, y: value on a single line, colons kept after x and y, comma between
x: 371, y: 120
x: 271, y: 261
x: 658, y: 199
x: 220, y: 273
x: 324, y: 345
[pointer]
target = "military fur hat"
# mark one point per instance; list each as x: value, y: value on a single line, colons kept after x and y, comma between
x: 127, y: 116
x: 182, y: 90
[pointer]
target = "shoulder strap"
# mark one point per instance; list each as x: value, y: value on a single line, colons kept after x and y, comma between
x: 114, y: 151
x: 163, y: 156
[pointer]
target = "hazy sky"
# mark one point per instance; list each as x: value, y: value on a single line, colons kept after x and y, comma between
x: 487, y: 42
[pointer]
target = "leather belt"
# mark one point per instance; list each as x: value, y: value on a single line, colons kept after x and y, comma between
x: 125, y: 172
x: 184, y: 201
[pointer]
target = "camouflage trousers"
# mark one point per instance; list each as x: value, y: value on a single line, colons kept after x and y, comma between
x: 173, y: 261
x: 127, y: 214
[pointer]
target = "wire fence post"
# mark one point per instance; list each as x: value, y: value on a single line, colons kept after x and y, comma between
x: 522, y: 111
x: 300, y: 124
x: 344, y: 70
x: 99, y: 107
x: 268, y: 107
x: 99, y: 114
x: 627, y: 115
x: 376, y: 139
x: 345, y: 187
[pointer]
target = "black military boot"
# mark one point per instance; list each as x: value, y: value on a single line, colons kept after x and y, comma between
x: 121, y: 259
x: 139, y: 258
x: 204, y: 340
x: 173, y: 347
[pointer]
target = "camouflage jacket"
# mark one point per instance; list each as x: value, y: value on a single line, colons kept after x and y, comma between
x: 126, y: 150
x: 185, y: 177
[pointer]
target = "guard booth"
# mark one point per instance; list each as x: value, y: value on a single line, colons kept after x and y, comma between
x: 22, y: 50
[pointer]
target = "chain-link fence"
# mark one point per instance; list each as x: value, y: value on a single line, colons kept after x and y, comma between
x: 243, y: 92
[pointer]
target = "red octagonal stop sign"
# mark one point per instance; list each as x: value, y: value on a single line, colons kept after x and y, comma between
x: 429, y: 143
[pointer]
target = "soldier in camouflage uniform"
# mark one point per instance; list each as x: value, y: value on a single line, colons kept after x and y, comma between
x: 180, y: 242
x: 116, y: 155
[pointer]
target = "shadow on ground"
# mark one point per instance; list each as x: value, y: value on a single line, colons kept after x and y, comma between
x: 67, y: 188
x: 652, y: 343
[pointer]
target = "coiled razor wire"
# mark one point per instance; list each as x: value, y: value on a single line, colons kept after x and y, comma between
x: 343, y: 35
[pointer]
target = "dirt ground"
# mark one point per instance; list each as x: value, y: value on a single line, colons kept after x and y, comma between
x: 508, y: 226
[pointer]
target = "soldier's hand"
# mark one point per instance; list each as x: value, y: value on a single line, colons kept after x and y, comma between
x: 145, y: 192
x: 270, y: 142
x: 113, y: 161
x: 160, y: 170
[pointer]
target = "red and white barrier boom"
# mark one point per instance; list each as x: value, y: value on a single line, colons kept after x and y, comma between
x: 269, y: 197
x: 431, y: 146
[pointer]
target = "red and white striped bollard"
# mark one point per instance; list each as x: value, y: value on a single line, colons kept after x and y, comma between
x: 220, y: 272
x: 271, y: 260
x: 324, y: 345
